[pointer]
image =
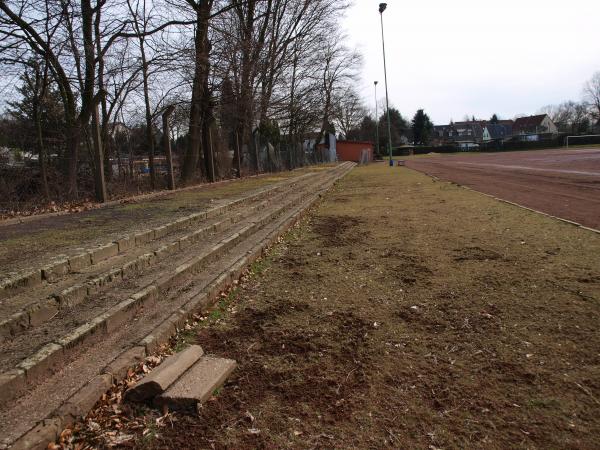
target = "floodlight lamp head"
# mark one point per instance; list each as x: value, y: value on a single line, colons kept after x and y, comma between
x: 375, y: 82
x: 382, y: 7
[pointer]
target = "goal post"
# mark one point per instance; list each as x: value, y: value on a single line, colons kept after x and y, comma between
x: 586, y: 137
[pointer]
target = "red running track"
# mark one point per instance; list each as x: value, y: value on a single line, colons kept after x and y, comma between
x: 564, y: 183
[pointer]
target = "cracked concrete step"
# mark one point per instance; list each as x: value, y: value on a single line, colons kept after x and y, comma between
x: 197, y: 385
x: 105, y: 322
x: 61, y: 265
x: 196, y: 259
x: 163, y: 376
x: 22, y: 311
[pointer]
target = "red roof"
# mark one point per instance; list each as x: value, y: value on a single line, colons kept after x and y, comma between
x: 529, y: 122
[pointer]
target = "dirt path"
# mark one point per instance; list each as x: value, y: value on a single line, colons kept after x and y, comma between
x: 564, y: 183
x: 403, y: 313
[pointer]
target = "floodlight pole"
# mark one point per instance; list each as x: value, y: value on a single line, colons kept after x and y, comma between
x: 376, y: 119
x: 382, y: 7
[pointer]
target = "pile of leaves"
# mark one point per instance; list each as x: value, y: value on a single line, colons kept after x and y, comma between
x: 35, y: 209
x: 115, y: 423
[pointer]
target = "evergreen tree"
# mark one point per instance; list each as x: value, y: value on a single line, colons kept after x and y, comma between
x: 494, y: 119
x: 399, y: 126
x: 365, y: 131
x: 422, y: 127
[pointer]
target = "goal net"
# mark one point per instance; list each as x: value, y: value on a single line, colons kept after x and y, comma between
x: 585, y: 139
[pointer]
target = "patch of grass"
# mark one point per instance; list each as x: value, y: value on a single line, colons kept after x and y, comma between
x: 151, y: 434
x: 259, y: 266
x: 184, y: 339
x: 219, y: 312
x: 216, y: 314
x: 134, y: 206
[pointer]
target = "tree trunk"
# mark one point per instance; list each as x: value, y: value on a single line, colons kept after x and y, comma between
x: 73, y: 137
x: 88, y: 100
x: 167, y: 143
x: 104, y: 119
x: 41, y: 152
x: 99, y: 182
x: 201, y: 67
x: 149, y: 134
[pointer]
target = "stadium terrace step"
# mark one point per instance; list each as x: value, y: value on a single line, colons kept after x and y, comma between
x: 61, y: 265
x: 85, y: 348
x: 97, y: 319
x: 30, y: 309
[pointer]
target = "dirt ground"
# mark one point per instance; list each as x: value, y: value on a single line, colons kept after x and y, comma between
x: 561, y: 182
x: 402, y: 313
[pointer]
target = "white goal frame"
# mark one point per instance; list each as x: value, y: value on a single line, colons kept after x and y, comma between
x: 581, y: 136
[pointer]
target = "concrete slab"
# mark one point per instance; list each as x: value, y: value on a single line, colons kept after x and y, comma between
x: 198, y: 384
x: 104, y: 252
x: 11, y: 382
x: 119, y: 367
x: 72, y: 296
x: 43, y: 312
x: 80, y: 403
x: 55, y: 270
x: 143, y: 237
x: 125, y: 243
x: 37, y: 365
x: 40, y: 436
x: 157, y: 381
x: 80, y: 261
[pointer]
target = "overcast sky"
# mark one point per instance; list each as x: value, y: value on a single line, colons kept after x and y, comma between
x: 477, y: 57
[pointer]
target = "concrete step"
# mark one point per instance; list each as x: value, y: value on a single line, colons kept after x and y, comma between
x: 56, y: 341
x: 32, y: 309
x: 112, y: 350
x: 59, y: 266
x: 157, y: 381
x: 196, y: 385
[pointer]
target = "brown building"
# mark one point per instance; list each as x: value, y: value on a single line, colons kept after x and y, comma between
x: 356, y: 151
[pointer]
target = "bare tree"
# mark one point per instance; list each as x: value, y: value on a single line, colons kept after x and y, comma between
x: 339, y: 67
x: 569, y: 116
x: 140, y: 19
x: 231, y: 67
x: 591, y: 93
x: 349, y: 110
x: 51, y: 38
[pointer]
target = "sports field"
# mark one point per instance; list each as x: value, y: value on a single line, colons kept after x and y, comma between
x: 564, y: 183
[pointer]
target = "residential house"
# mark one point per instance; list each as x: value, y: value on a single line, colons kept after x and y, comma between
x: 499, y: 132
x: 534, y: 128
x: 465, y: 135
